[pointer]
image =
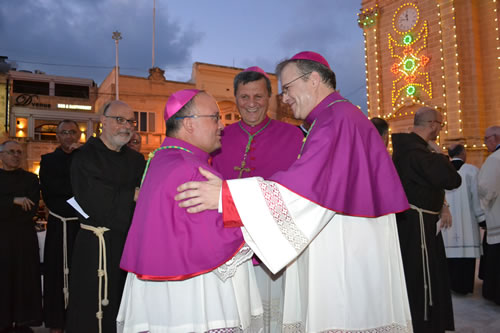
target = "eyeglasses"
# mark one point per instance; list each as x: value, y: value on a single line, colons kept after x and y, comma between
x: 435, y: 121
x: 14, y: 152
x: 123, y: 121
x: 285, y: 87
x: 65, y: 132
x: 216, y: 117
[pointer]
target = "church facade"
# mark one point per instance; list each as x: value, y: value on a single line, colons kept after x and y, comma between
x: 444, y: 54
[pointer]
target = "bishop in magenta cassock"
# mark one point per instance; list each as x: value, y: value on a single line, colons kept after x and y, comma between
x: 187, y: 273
x: 258, y: 146
x: 329, y: 219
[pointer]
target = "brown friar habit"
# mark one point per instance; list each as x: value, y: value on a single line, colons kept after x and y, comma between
x: 55, y: 184
x: 424, y: 175
x: 103, y: 183
x: 20, y: 285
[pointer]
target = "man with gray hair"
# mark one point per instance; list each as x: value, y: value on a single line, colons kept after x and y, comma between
x: 489, y: 194
x: 105, y: 173
x: 462, y: 240
x: 20, y: 292
x: 425, y: 173
x: 62, y: 224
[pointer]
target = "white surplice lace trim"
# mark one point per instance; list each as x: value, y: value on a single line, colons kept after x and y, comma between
x: 282, y: 216
x: 256, y: 326
x: 392, y: 328
x: 228, y: 269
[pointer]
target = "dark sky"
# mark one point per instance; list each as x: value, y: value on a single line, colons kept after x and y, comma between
x: 73, y: 37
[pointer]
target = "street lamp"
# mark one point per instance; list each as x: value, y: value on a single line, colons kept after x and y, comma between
x: 116, y: 36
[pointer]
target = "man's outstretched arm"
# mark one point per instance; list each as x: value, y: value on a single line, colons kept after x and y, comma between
x: 200, y: 196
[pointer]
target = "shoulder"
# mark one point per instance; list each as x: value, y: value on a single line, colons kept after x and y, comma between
x: 231, y: 129
x: 176, y: 164
x: 469, y: 168
x: 29, y: 175
x: 134, y: 155
x: 286, y: 127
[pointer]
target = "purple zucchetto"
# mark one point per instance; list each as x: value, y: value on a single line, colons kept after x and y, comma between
x: 313, y: 56
x: 177, y: 100
x: 256, y: 69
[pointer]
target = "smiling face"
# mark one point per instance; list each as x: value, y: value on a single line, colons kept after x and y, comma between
x: 116, y: 135
x: 297, y: 91
x: 252, y: 100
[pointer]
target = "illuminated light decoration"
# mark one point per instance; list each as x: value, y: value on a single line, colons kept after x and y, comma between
x: 407, y: 4
x: 395, y: 68
x: 409, y: 67
x: 74, y: 107
x: 366, y: 78
x: 460, y: 127
x: 407, y: 39
x: 410, y: 78
x: 424, y: 60
x: 411, y: 90
x: 408, y: 50
x: 368, y: 17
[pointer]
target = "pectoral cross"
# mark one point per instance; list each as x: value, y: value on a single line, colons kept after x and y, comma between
x: 242, y: 168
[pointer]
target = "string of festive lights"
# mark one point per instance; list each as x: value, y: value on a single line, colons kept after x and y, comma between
x: 460, y: 125
x: 443, y: 76
x: 377, y: 78
x: 368, y: 17
x: 366, y: 78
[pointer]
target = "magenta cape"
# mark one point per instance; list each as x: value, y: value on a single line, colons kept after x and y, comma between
x: 274, y: 149
x: 345, y: 166
x: 165, y: 242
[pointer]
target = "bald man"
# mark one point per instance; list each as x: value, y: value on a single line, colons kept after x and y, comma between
x: 425, y: 173
x: 20, y: 292
x: 104, y: 175
x: 489, y: 194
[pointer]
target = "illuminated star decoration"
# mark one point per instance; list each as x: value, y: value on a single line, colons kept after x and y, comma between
x: 410, y: 66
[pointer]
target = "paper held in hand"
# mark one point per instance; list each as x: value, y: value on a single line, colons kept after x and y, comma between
x: 76, y: 206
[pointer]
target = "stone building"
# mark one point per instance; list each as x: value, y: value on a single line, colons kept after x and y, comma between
x: 38, y: 102
x: 443, y: 54
x: 147, y: 96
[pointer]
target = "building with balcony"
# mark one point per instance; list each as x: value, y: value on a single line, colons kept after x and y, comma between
x: 38, y: 102
x: 147, y: 96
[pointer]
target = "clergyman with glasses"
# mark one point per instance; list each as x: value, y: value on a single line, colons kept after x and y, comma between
x: 329, y: 219
x: 425, y: 173
x: 20, y: 285
x: 62, y: 224
x: 187, y: 273
x: 258, y: 146
x: 104, y: 175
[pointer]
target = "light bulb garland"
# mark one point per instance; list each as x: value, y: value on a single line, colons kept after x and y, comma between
x: 367, y: 20
x: 368, y: 17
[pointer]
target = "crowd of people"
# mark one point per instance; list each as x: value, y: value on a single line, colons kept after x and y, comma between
x: 256, y: 227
